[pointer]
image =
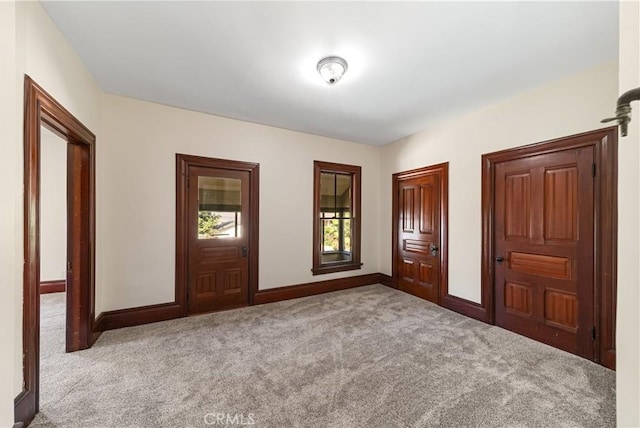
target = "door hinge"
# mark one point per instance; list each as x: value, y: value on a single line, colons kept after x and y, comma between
x: 69, y: 266
x: 593, y: 170
x: 593, y: 333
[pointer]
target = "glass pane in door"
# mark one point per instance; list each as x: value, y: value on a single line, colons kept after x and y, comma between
x: 219, y: 207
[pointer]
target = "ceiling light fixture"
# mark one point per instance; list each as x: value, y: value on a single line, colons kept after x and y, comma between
x: 332, y: 69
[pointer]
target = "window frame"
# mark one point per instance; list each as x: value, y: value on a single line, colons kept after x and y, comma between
x: 355, y: 172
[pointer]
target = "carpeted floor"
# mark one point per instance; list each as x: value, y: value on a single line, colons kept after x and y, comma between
x: 366, y: 357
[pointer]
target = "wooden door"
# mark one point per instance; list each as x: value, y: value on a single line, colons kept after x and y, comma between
x: 544, y: 241
x: 418, y: 223
x: 218, y: 239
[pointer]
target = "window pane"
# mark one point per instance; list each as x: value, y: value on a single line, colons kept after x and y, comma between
x: 327, y: 192
x: 335, y: 206
x: 219, y: 207
x: 331, y: 235
x: 343, y: 191
x: 347, y: 235
x: 337, y: 240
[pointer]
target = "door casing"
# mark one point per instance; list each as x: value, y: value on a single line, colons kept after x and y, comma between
x: 443, y: 170
x: 605, y: 144
x: 183, y: 163
x: 42, y: 109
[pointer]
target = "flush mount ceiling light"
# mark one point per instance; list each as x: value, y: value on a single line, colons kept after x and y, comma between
x: 332, y: 69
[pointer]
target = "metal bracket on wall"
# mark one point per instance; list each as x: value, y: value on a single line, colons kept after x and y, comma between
x: 623, y: 110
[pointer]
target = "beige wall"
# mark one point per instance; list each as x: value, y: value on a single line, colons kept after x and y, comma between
x: 9, y: 191
x: 137, y: 162
x: 53, y: 206
x: 572, y: 105
x: 51, y: 62
x: 628, y: 319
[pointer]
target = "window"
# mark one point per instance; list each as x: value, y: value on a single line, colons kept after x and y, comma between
x: 336, y: 217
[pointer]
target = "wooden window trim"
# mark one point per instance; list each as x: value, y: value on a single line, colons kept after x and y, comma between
x: 356, y: 172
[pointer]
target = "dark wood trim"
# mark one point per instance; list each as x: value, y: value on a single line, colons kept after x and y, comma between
x: 443, y: 168
x: 166, y: 311
x: 333, y: 268
x: 313, y: 288
x: 605, y: 144
x: 607, y: 235
x: 387, y: 280
x: 25, y: 407
x: 465, y: 307
x: 395, y: 215
x: 40, y: 108
x: 183, y: 163
x: 54, y: 286
x: 318, y: 267
x: 487, y: 271
x: 130, y: 317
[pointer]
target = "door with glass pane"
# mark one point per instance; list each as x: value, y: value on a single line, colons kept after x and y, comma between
x: 218, y: 242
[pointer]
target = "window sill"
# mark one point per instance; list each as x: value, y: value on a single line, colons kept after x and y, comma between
x: 335, y: 267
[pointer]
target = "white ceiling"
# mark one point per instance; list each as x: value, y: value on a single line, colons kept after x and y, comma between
x: 410, y: 64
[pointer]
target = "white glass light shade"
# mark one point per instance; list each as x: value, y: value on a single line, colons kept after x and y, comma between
x: 332, y: 69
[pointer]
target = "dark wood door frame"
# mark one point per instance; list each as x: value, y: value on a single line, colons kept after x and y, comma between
x: 42, y: 109
x: 605, y: 144
x: 443, y: 168
x: 183, y: 162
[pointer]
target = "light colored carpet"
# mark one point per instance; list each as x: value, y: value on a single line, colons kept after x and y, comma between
x: 53, y: 360
x: 366, y: 357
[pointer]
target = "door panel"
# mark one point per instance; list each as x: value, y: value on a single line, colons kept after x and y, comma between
x: 517, y: 196
x: 407, y: 208
x: 428, y: 208
x: 419, y: 207
x: 544, y: 246
x: 517, y: 298
x: 218, y: 268
x: 539, y: 264
x: 561, y: 204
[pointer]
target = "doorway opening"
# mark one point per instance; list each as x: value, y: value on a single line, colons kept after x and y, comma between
x: 216, y: 233
x: 549, y: 215
x: 42, y: 110
x: 53, y: 260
